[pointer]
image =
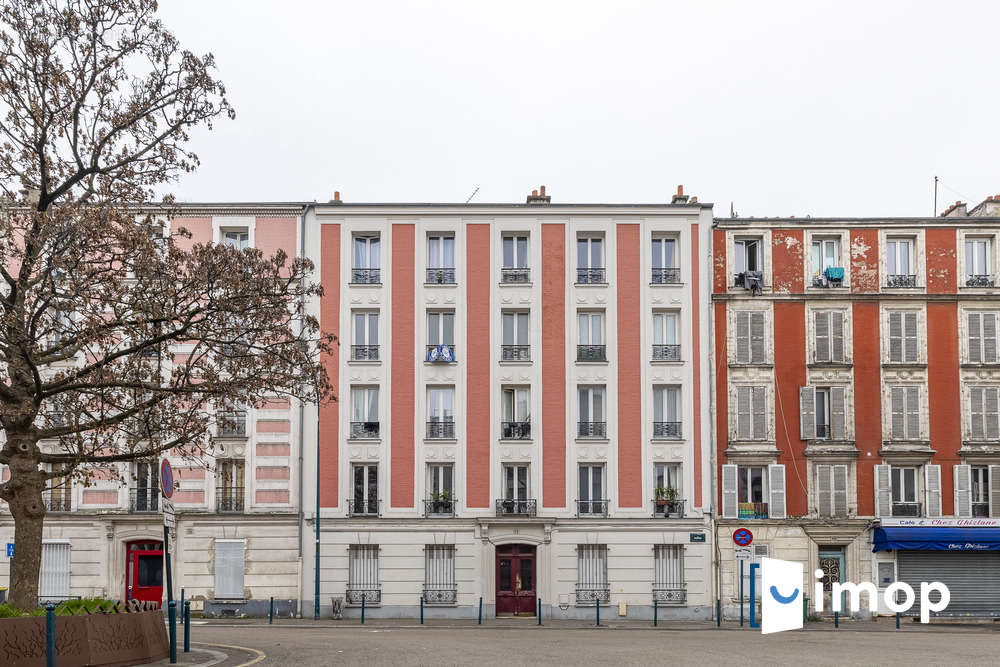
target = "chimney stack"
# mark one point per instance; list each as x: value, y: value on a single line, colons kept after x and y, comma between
x: 336, y: 198
x: 680, y: 197
x: 539, y: 196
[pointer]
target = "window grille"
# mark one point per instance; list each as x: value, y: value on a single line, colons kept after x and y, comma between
x: 439, y: 574
x: 668, y: 574
x: 363, y: 582
x: 592, y: 574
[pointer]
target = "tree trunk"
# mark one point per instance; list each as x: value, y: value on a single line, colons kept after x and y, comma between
x: 28, y: 509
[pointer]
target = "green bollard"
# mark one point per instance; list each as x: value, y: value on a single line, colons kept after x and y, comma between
x: 187, y: 626
x: 363, y: 598
x: 421, y: 610
x: 480, y: 610
x: 897, y: 620
x: 805, y: 610
x: 836, y: 619
x: 539, y: 611
x: 270, y: 612
x: 597, y: 604
x: 172, y: 626
x: 718, y: 613
x: 50, y: 635
x: 655, y: 610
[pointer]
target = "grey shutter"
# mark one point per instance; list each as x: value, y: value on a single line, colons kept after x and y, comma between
x: 824, y: 490
x: 229, y: 564
x: 883, y: 490
x: 822, y: 322
x: 913, y: 413
x: 838, y: 414
x: 757, y: 350
x: 744, y: 426
x: 976, y: 413
x: 975, y: 339
x: 932, y: 489
x: 807, y: 413
x: 759, y: 396
x: 994, y: 490
x: 776, y: 486
x: 729, y: 491
x: 963, y: 490
x: 53, y: 576
x: 836, y: 336
x: 897, y: 407
x: 839, y: 490
x: 991, y: 418
x: 989, y: 338
x: 895, y: 336
x: 743, y: 337
x: 910, y: 335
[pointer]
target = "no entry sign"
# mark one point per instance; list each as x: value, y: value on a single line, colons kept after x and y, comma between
x: 166, y: 478
x: 742, y: 537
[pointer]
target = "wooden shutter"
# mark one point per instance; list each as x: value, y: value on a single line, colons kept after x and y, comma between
x: 976, y: 423
x: 975, y: 339
x: 776, y: 486
x: 895, y: 336
x: 229, y: 568
x: 994, y: 490
x: 839, y: 490
x: 757, y: 351
x: 913, y: 413
x: 822, y: 322
x: 729, y: 491
x: 989, y: 338
x: 963, y: 490
x: 838, y: 414
x: 883, y: 490
x: 897, y: 409
x: 836, y: 336
x: 910, y: 343
x: 991, y: 418
x: 743, y: 337
x: 744, y: 425
x: 932, y: 489
x: 824, y: 490
x: 759, y: 396
x: 807, y: 413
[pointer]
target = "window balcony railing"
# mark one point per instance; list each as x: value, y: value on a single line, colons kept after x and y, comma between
x: 668, y: 509
x: 979, y: 281
x: 441, y: 276
x: 592, y: 429
x: 366, y: 276
x: 442, y: 353
x: 509, y: 507
x: 364, y: 430
x: 666, y: 353
x: 906, y: 509
x: 666, y: 276
x: 667, y: 430
x: 591, y: 276
x: 675, y: 594
x: 57, y: 504
x: 515, y: 353
x: 144, y: 500
x: 364, y: 353
x: 822, y: 431
x: 980, y: 509
x: 440, y: 594
x: 591, y: 353
x: 440, y: 430
x: 233, y: 424
x: 362, y: 507
x: 441, y: 507
x: 749, y: 280
x: 512, y: 275
x: 752, y: 510
x: 515, y: 430
x: 900, y: 280
x: 228, y: 501
x: 592, y: 508
x: 591, y: 595
x: 370, y: 594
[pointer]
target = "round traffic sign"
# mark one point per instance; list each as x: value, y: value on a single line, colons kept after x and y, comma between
x: 166, y: 478
x: 742, y: 537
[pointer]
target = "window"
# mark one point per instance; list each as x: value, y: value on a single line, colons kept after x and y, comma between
x: 592, y: 574
x: 899, y: 263
x: 666, y: 412
x: 367, y: 261
x: 516, y: 345
x: 905, y: 411
x: 896, y: 492
x: 363, y: 574
x: 364, y: 412
x: 365, y: 500
x: 53, y: 578
x: 982, y: 338
x: 516, y: 424
x: 753, y: 482
x: 753, y: 491
x: 826, y: 255
x: 590, y: 347
x: 365, y: 347
x: 984, y: 406
x: 980, y: 491
x: 441, y: 259
x: 592, y: 424
x: 664, y: 264
x: 828, y: 330
x: 977, y: 262
x: 592, y: 500
x: 230, y: 485
x: 751, y: 413
x: 822, y: 413
x: 441, y: 412
x: 440, y: 490
x: 886, y: 574
x: 746, y: 255
x: 236, y: 238
x: 440, y: 336
x: 59, y: 494
x: 515, y: 260
x: 831, y: 490
x: 667, y: 499
x: 668, y: 574
x: 232, y: 420
x: 230, y: 560
x: 903, y: 337
x: 590, y: 260
x: 515, y: 499
x: 145, y: 493
x: 439, y: 574
x: 750, y: 327
x: 666, y: 346
x: 904, y: 489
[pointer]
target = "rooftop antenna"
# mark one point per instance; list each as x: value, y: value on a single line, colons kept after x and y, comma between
x: 935, y: 196
x: 472, y: 195
x: 732, y: 211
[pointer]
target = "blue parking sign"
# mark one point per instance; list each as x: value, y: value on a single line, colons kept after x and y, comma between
x: 10, y: 550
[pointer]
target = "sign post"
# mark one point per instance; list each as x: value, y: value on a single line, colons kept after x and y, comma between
x: 169, y: 521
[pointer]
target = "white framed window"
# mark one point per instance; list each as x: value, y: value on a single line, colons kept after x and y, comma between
x: 441, y: 252
x: 747, y: 254
x: 515, y: 481
x: 53, y: 577
x: 904, y: 484
x: 984, y: 413
x: 230, y: 481
x: 441, y: 328
x: 978, y: 252
x: 591, y: 327
x: 592, y: 413
x: 753, y: 491
x: 236, y: 238
x: 899, y: 256
x: 982, y: 337
x: 831, y: 490
x: 363, y: 582
x: 367, y: 252
x: 664, y: 253
x: 753, y: 484
x: 439, y: 574
x: 441, y: 404
x: 516, y: 406
x: 365, y: 328
x: 904, y: 337
x: 590, y: 252
x: 897, y: 491
x: 980, y: 490
x: 365, y: 491
x: 751, y: 413
x: 666, y: 344
x: 146, y: 487
x: 668, y: 574
x: 667, y: 412
x: 440, y: 480
x: 591, y: 489
x: 825, y: 255
x: 904, y: 405
x: 828, y: 336
x: 822, y: 413
x: 592, y: 574
x: 515, y: 251
x: 230, y: 567
x: 667, y: 476
x: 751, y: 327
x: 364, y: 412
x: 516, y: 341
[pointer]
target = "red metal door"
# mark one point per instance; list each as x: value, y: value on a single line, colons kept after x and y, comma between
x: 145, y: 571
x: 516, y: 580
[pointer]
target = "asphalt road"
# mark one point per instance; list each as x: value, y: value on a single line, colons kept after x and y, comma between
x: 354, y: 645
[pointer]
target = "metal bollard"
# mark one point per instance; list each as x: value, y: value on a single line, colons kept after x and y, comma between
x: 741, y: 593
x: 180, y: 618
x: 363, y: 597
x: 50, y: 635
x: 897, y: 620
x: 421, y: 610
x: 187, y: 626
x: 539, y: 611
x: 597, y: 605
x: 480, y: 611
x: 656, y: 609
x: 270, y: 612
x: 805, y: 610
x: 718, y: 613
x: 172, y: 625
x: 836, y: 619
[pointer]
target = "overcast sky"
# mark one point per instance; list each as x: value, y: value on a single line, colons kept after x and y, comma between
x: 791, y: 108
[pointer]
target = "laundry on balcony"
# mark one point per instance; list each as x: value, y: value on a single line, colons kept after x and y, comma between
x: 834, y: 274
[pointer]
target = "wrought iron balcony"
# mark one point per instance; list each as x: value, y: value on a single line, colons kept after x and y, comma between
x: 440, y: 594
x: 443, y: 353
x: 980, y: 509
x: 592, y: 508
x: 366, y: 276
x: 362, y: 507
x: 592, y: 429
x: 668, y: 509
x: 666, y: 276
x: 979, y: 281
x: 591, y: 276
x: 515, y: 353
x: 666, y: 353
x: 906, y: 509
x: 229, y: 501
x: 370, y: 594
x: 900, y: 280
x: 506, y: 507
x: 670, y: 594
x: 590, y: 595
x: 441, y: 276
x: 512, y: 275
x: 667, y: 430
x: 441, y: 430
x: 591, y: 353
x: 364, y: 353
x: 233, y: 424
x: 364, y: 430
x: 57, y: 503
x: 440, y: 508
x: 515, y: 430
x: 144, y: 500
x: 752, y: 511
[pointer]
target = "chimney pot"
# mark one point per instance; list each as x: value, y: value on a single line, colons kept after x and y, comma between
x: 694, y: 200
x: 680, y: 190
x: 336, y: 195
x: 534, y: 193
x: 541, y: 191
x: 680, y: 197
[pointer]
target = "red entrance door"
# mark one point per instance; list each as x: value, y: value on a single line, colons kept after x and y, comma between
x: 516, y: 580
x: 144, y: 567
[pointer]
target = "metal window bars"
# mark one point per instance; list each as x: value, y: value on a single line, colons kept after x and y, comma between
x: 440, y: 430
x: 228, y: 501
x: 364, y: 353
x: 441, y: 276
x: 513, y: 275
x: 666, y: 276
x: 906, y: 509
x: 515, y: 430
x: 900, y: 280
x: 515, y: 353
x: 979, y: 281
x: 592, y: 508
x: 366, y: 276
x: 144, y: 499
x: 233, y: 424
x: 752, y: 510
x: 364, y: 430
x: 591, y: 276
x: 362, y: 506
x: 591, y: 353
x: 667, y: 430
x: 511, y: 507
x: 439, y: 507
x: 592, y: 429
x: 666, y: 353
x: 668, y: 508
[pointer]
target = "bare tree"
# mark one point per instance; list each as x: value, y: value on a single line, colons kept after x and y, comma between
x: 116, y: 343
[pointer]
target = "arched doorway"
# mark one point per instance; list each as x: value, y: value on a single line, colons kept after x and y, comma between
x: 516, y: 583
x: 144, y: 570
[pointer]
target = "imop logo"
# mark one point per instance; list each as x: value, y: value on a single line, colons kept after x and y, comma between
x: 781, y: 599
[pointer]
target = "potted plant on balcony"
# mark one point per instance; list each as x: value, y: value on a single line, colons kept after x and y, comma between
x: 441, y: 502
x: 666, y: 500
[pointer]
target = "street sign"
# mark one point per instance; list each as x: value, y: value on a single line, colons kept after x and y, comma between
x: 10, y: 550
x: 697, y: 537
x: 742, y: 553
x: 169, y: 519
x: 742, y: 537
x: 166, y: 478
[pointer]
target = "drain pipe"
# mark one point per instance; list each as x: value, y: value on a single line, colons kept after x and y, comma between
x: 713, y: 407
x: 302, y: 412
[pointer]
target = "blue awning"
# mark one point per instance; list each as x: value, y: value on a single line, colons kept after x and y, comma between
x: 928, y: 538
